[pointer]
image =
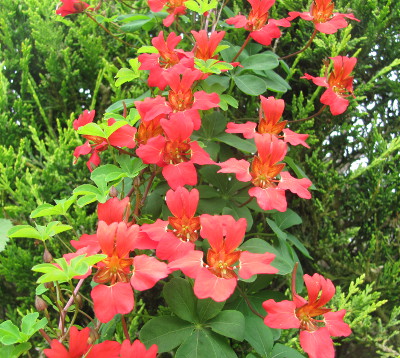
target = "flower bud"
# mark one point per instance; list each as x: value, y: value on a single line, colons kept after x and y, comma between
x: 93, y: 336
x: 113, y: 192
x: 47, y: 257
x: 40, y: 304
x: 48, y: 285
x: 79, y: 300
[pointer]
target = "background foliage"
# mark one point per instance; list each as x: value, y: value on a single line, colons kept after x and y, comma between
x: 51, y: 68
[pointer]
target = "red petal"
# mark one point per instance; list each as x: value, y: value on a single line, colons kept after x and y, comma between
x: 181, y: 202
x: 152, y: 151
x: 336, y: 326
x: 113, y: 210
x: 147, y: 272
x: 172, y: 248
x: 296, y: 186
x: 190, y: 264
x: 137, y: 350
x: 253, y: 264
x: 247, y: 129
x: 281, y: 315
x: 180, y: 174
x: 204, y: 100
x: 238, y: 167
x: 107, y: 349
x: 208, y: 285
x: 110, y: 300
x: 295, y: 138
x: 318, y: 344
x: 85, y: 118
x: 270, y: 198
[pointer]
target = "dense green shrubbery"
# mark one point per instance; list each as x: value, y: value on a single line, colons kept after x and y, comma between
x: 52, y: 68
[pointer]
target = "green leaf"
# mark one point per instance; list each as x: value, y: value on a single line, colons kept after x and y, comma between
x: 136, y: 24
x: 131, y: 166
x: 281, y: 351
x: 287, y: 219
x: 207, y: 308
x: 275, y: 228
x: 229, y: 323
x: 9, y: 333
x: 201, y: 6
x: 204, y: 343
x: 212, y: 66
x: 275, y: 82
x: 60, y: 208
x: 261, y: 62
x: 229, y: 100
x: 216, y: 84
x: 250, y: 84
x: 125, y: 75
x: 212, y: 125
x: 91, y: 129
x: 15, y: 351
x: 166, y: 331
x: 5, y: 226
x: 245, y: 145
x: 147, y: 49
x: 258, y: 335
x: 178, y: 294
x: 108, y: 130
x: 40, y: 289
x: 24, y: 231
x: 30, y: 325
x: 296, y: 242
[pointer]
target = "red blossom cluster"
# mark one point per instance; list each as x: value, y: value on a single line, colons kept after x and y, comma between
x: 163, y: 137
x: 80, y: 346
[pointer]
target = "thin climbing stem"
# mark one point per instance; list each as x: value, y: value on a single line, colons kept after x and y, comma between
x: 108, y: 31
x: 242, y: 48
x: 304, y: 48
x: 125, y: 328
x: 246, y: 299
x: 314, y: 115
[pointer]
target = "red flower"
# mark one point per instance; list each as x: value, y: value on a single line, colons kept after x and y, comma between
x: 174, y: 8
x: 261, y: 29
x: 137, y: 350
x: 205, y: 45
x: 339, y: 84
x: 216, y: 278
x: 122, y: 137
x: 167, y: 58
x: 178, y: 241
x: 117, y: 241
x: 175, y: 152
x: 321, y: 14
x: 79, y: 347
x: 270, y: 113
x: 71, y: 7
x: 315, y: 333
x: 268, y: 189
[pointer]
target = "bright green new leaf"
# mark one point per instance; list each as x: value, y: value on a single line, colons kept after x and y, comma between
x: 5, y: 226
x: 24, y: 231
x: 91, y: 129
x: 147, y: 49
x: 12, y: 351
x: 9, y: 333
x: 201, y: 6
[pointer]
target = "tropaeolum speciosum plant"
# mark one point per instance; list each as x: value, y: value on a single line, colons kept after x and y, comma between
x: 175, y: 204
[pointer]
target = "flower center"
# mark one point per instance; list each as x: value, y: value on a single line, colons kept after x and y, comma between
x: 177, y: 152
